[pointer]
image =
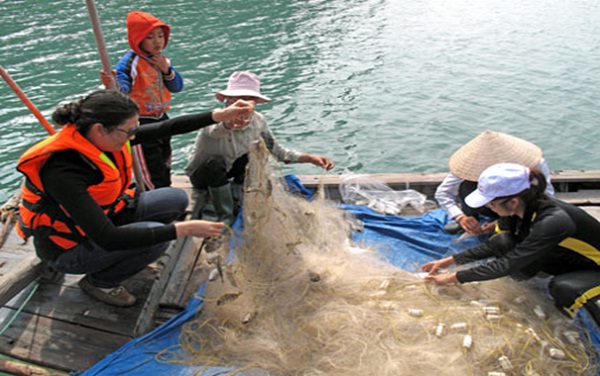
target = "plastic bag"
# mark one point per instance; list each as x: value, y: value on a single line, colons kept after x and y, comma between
x: 365, y: 190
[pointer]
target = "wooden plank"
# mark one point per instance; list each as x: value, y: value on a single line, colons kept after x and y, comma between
x: 582, y: 197
x: 70, y: 304
x: 163, y: 269
x: 174, y: 294
x: 183, y: 182
x: 189, y: 274
x: 594, y: 211
x: 180, y: 181
x: 9, y: 261
x: 426, y: 183
x: 20, y: 266
x: 19, y: 277
x: 393, y: 179
x: 65, y: 301
x: 416, y: 178
x: 405, y: 180
x: 578, y: 176
x: 56, y: 344
x: 15, y: 245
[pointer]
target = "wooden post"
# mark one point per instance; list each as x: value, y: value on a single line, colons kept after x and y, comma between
x: 13, y: 85
x: 91, y: 6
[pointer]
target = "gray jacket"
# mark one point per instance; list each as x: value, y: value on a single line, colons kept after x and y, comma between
x: 233, y: 143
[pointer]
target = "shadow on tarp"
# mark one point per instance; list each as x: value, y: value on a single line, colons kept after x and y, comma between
x: 406, y: 242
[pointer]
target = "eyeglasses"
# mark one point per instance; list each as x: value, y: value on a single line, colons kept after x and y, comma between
x: 129, y: 132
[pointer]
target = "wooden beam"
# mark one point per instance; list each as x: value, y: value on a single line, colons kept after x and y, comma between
x: 417, y: 178
x: 435, y: 178
x: 582, y: 197
x: 19, y: 277
x: 165, y: 265
x: 23, y: 369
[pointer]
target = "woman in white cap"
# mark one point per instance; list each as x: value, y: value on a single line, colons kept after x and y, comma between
x: 468, y: 162
x: 546, y: 235
x: 220, y: 152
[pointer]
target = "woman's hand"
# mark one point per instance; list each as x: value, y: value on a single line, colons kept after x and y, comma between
x: 237, y: 115
x: 432, y: 267
x: 199, y: 228
x: 489, y: 227
x: 443, y: 278
x: 317, y: 160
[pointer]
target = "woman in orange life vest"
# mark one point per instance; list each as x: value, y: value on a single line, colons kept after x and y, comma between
x: 77, y: 204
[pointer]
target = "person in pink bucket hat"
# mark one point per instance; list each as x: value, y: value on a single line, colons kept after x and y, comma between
x: 220, y: 152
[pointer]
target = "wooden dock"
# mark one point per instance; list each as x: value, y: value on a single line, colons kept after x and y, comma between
x: 63, y: 329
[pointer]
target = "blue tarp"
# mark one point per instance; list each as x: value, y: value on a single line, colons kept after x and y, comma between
x: 407, y: 242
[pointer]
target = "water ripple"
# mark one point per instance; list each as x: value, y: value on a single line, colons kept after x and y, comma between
x: 377, y: 85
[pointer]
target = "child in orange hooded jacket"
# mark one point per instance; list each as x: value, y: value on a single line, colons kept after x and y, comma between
x: 149, y: 78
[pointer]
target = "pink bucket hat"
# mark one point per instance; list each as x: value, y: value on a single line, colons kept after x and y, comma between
x: 242, y: 84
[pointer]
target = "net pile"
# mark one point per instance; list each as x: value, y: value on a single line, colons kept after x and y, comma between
x: 299, y: 299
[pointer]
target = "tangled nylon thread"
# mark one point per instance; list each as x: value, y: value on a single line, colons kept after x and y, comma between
x: 298, y: 299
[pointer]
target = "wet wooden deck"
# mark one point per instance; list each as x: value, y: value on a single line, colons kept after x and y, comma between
x: 62, y: 328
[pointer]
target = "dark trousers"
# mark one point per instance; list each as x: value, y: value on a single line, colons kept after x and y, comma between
x: 158, y: 157
x: 574, y: 290
x: 213, y: 172
x: 107, y: 269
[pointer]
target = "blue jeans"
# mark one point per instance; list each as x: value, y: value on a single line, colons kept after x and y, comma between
x: 107, y: 269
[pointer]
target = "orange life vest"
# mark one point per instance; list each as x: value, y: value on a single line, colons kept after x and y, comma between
x: 147, y: 86
x: 37, y: 211
x: 148, y: 89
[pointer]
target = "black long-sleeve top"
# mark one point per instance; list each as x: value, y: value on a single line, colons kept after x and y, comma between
x: 67, y: 175
x: 555, y: 238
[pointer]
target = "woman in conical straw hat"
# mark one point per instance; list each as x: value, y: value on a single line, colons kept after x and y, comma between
x: 468, y: 162
x: 544, y: 235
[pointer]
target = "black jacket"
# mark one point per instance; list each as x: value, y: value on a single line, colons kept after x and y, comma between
x: 554, y: 238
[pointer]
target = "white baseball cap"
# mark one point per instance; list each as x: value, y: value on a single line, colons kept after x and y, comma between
x: 499, y: 180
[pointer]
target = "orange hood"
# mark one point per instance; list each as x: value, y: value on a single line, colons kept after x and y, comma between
x: 139, y: 25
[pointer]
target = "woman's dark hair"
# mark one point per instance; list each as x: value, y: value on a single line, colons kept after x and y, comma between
x: 536, y: 192
x: 108, y: 107
x: 533, y: 195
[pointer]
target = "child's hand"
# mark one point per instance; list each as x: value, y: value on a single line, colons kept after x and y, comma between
x: 108, y: 79
x: 161, y: 62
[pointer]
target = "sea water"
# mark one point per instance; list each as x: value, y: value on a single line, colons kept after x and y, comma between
x: 376, y: 85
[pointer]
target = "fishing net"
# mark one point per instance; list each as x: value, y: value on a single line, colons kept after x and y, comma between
x: 299, y: 299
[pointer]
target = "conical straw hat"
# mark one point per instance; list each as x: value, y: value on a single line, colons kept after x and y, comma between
x: 490, y: 148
